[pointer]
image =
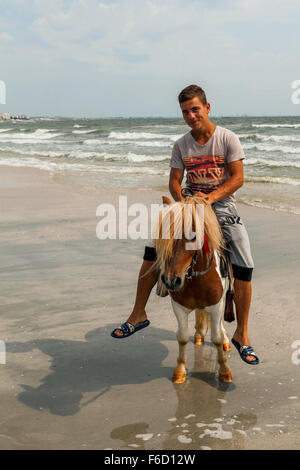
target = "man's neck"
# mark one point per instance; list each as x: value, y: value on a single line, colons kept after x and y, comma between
x: 203, y: 135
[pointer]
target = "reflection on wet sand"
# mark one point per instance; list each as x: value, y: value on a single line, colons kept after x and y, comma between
x: 198, y: 422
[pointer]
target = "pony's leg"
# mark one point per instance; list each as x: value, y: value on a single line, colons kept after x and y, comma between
x: 217, y: 337
x: 201, y: 326
x: 226, y: 343
x: 182, y: 334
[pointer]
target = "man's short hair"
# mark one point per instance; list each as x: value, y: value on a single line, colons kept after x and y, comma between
x: 190, y: 92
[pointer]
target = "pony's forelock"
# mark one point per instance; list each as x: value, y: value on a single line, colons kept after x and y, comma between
x: 170, y: 227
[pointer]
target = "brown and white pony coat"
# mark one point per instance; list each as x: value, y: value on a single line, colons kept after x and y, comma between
x: 205, y: 292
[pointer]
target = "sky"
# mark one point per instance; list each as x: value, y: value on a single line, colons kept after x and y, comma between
x: 102, y: 58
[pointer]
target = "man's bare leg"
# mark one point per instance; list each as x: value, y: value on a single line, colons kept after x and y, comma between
x: 242, y: 300
x: 146, y: 281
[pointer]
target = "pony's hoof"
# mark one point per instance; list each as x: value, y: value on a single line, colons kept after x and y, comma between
x: 179, y: 379
x: 198, y: 340
x: 226, y: 347
x: 226, y: 377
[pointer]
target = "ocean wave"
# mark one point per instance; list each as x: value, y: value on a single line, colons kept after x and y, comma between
x: 81, y: 154
x: 41, y: 153
x: 264, y: 205
x: 30, y: 141
x: 127, y: 142
x: 273, y: 179
x: 271, y: 163
x: 39, y: 134
x: 277, y: 125
x: 271, y: 148
x: 129, y: 157
x: 77, y: 125
x: 141, y: 135
x: 88, y: 131
x: 153, y: 143
x: 272, y: 138
x: 50, y: 166
x: 7, y: 129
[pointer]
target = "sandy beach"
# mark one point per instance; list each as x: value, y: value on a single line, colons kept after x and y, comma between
x: 67, y: 384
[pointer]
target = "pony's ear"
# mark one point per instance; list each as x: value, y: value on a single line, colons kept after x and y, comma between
x: 166, y: 200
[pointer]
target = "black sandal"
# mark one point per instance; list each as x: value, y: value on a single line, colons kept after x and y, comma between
x: 128, y: 329
x: 245, y: 351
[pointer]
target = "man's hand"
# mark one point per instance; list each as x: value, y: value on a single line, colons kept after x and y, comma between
x: 208, y: 197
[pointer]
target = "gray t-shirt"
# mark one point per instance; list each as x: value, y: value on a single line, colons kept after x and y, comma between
x: 207, y: 165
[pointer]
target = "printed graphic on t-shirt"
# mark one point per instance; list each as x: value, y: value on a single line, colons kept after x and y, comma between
x: 206, y: 172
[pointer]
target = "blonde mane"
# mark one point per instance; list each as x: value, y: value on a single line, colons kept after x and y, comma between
x: 170, y: 228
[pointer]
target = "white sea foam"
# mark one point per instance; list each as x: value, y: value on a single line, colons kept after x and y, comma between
x: 22, y: 137
x: 127, y: 142
x: 141, y: 135
x: 283, y: 208
x: 77, y: 125
x: 271, y: 148
x: 79, y: 154
x: 135, y: 135
x: 272, y: 138
x: 271, y: 163
x: 87, y: 131
x: 50, y: 166
x: 277, y: 125
x: 132, y: 157
x: 23, y: 151
x: 154, y: 144
x: 273, y: 179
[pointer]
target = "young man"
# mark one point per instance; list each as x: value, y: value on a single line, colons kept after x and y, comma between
x: 213, y: 159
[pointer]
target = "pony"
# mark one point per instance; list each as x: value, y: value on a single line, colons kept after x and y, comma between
x: 190, y: 269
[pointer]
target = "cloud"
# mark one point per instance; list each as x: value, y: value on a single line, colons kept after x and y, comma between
x: 5, y: 37
x: 131, y: 31
x: 242, y: 51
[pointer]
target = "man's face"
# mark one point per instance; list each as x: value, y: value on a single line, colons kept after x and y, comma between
x: 195, y: 113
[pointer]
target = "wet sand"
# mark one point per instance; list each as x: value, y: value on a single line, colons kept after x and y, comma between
x: 67, y: 384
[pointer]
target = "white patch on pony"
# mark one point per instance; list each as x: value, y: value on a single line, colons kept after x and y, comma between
x: 218, y: 269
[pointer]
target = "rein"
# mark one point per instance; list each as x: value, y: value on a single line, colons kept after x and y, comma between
x: 190, y: 273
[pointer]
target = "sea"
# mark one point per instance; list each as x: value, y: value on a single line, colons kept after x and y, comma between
x: 135, y: 153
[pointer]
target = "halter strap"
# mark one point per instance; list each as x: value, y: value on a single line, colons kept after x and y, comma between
x: 200, y: 273
x: 197, y: 273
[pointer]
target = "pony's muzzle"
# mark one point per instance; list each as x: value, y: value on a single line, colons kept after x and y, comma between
x: 172, y: 283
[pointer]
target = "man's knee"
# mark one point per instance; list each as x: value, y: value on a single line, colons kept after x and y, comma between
x: 150, y: 254
x: 242, y: 273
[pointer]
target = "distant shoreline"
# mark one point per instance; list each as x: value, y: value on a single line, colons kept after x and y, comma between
x: 74, y: 118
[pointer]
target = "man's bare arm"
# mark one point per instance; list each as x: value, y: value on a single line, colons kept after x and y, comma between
x: 176, y: 177
x: 235, y: 181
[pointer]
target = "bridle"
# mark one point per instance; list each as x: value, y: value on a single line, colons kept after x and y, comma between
x: 190, y: 273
